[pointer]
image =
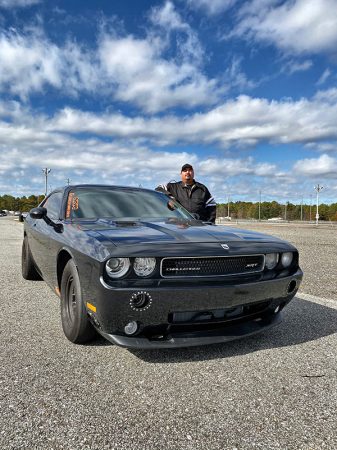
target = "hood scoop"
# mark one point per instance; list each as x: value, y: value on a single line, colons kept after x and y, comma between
x: 126, y: 224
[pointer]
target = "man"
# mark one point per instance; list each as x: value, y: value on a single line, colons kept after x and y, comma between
x: 193, y: 196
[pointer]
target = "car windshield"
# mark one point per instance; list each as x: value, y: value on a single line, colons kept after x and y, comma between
x: 123, y: 204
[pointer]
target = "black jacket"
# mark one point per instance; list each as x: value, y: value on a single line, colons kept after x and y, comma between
x: 195, y: 198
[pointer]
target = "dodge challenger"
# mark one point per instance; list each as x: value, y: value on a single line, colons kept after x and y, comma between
x: 135, y: 267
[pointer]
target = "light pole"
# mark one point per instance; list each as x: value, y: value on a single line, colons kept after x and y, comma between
x: 228, y: 207
x: 260, y: 205
x: 285, y: 211
x: 302, y: 209
x: 46, y: 171
x: 318, y: 189
x: 310, y: 208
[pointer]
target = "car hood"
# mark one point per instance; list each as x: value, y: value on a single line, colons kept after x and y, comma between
x: 141, y: 232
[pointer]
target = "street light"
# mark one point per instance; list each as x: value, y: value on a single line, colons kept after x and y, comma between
x: 318, y: 189
x: 260, y: 205
x: 302, y: 209
x: 228, y: 199
x: 46, y: 171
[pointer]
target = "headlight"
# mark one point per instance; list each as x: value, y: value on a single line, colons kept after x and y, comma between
x: 117, y: 267
x: 271, y: 260
x: 286, y: 259
x: 143, y: 267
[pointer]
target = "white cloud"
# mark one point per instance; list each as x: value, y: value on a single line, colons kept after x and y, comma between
x: 27, y: 64
x: 30, y: 63
x: 324, y: 166
x: 128, y: 69
x: 11, y: 4
x: 144, y: 78
x: 170, y: 25
x: 328, y: 96
x: 297, y: 66
x: 212, y: 7
x: 236, y: 77
x: 243, y: 121
x: 231, y: 167
x: 168, y: 18
x: 323, y: 147
x: 296, y: 26
x: 29, y: 141
x: 93, y: 161
x: 323, y: 78
x: 144, y: 75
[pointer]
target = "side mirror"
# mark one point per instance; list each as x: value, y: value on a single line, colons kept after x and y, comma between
x: 38, y: 213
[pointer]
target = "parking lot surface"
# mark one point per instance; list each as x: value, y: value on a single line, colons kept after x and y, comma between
x: 318, y: 252
x: 277, y: 390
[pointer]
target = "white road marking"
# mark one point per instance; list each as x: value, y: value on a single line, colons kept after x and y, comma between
x: 332, y: 303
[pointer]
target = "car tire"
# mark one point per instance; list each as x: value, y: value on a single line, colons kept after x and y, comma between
x: 28, y: 268
x: 75, y: 321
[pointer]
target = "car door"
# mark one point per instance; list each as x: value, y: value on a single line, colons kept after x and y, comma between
x: 44, y: 239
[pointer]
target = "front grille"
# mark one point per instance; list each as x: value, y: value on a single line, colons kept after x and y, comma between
x: 211, y: 266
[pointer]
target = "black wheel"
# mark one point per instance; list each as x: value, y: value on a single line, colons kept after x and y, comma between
x: 75, y: 321
x: 28, y: 269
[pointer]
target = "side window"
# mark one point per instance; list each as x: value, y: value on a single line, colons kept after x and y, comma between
x: 53, y: 205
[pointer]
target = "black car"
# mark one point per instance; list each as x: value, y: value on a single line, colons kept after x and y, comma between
x: 136, y: 267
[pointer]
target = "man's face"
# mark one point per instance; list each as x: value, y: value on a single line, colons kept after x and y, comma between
x: 187, y: 176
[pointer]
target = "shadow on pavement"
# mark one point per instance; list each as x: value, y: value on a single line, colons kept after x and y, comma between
x: 303, y: 321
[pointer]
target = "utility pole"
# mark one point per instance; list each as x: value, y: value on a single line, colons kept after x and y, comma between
x: 302, y: 209
x: 318, y: 189
x: 310, y: 208
x: 228, y: 207
x: 46, y: 171
x: 260, y: 205
x: 285, y: 211
x: 68, y: 181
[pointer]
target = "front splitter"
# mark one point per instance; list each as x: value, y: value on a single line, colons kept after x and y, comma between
x: 192, y: 339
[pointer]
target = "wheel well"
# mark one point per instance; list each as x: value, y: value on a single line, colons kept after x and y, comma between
x: 62, y: 260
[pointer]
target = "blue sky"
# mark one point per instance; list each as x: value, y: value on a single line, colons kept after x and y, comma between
x: 126, y: 92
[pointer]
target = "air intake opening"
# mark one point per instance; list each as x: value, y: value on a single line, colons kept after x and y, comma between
x: 291, y: 286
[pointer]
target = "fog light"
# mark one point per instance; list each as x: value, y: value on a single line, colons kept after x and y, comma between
x: 131, y: 328
x: 277, y: 309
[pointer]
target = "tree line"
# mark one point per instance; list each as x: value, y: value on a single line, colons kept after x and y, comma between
x: 10, y: 203
x: 237, y: 210
x: 268, y: 210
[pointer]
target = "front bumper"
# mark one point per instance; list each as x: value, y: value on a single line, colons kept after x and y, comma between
x: 114, y: 310
x: 192, y: 339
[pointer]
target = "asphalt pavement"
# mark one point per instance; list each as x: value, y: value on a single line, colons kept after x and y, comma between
x: 317, y: 246
x: 276, y: 390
